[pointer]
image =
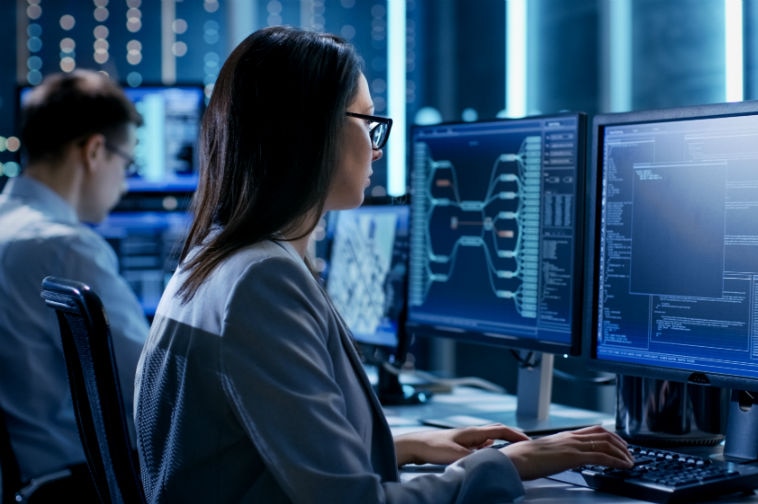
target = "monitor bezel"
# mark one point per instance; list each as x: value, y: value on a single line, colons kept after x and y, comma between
x: 593, y: 230
x: 518, y: 343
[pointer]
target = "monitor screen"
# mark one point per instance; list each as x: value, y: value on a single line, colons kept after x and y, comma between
x: 496, y: 250
x: 367, y: 269
x: 675, y: 274
x: 166, y: 152
x: 147, y: 245
x: 496, y: 222
x: 366, y: 278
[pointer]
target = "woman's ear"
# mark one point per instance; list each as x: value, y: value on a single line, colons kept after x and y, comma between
x: 92, y: 150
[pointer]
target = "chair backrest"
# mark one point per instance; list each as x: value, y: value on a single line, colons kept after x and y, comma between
x: 95, y: 390
x: 10, y: 478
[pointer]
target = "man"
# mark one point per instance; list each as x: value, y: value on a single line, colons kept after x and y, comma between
x: 79, y: 132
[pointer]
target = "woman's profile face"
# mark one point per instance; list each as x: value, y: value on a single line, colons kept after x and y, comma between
x: 354, y: 154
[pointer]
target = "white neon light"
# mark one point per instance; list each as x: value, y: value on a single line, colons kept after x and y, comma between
x: 396, y: 76
x: 620, y: 55
x: 733, y: 57
x: 515, y: 58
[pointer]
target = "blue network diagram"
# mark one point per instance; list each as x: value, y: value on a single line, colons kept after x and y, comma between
x: 494, y: 228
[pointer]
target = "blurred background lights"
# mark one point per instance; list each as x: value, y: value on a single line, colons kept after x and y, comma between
x: 210, y: 5
x: 211, y: 32
x: 67, y: 22
x: 67, y: 45
x: 179, y: 49
x: 67, y: 64
x: 100, y: 31
x: 134, y: 79
x: 100, y: 14
x: 33, y: 11
x: 469, y: 114
x: 10, y: 169
x: 428, y: 115
x: 179, y: 26
x: 13, y: 144
x: 134, y: 52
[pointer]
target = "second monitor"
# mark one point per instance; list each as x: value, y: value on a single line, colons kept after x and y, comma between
x: 366, y: 277
x: 496, y: 245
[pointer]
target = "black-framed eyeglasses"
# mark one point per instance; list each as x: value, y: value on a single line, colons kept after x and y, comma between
x: 378, y: 128
x: 131, y: 163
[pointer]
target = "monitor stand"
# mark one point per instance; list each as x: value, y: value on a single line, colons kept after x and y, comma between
x: 393, y: 393
x: 741, y: 443
x: 535, y: 414
x: 665, y: 414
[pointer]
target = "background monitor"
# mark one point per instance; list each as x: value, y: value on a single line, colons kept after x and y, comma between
x: 496, y: 243
x: 147, y: 244
x: 166, y: 151
x: 366, y: 277
x: 675, y: 241
x: 148, y: 226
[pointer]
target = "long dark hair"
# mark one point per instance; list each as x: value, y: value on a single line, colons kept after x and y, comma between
x: 268, y: 142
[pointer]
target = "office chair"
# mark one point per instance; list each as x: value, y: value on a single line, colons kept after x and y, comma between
x: 10, y: 479
x: 56, y: 486
x: 95, y: 390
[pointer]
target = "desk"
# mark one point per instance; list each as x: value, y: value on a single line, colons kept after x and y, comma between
x: 471, y: 406
x: 472, y: 402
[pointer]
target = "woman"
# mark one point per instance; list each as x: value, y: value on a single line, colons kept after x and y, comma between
x: 249, y: 389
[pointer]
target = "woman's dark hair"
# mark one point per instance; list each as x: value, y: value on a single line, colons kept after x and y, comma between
x: 67, y: 107
x: 268, y: 142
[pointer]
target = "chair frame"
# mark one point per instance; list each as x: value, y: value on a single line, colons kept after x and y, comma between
x: 95, y: 390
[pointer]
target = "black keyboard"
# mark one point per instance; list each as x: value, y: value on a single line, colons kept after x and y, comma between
x: 669, y: 476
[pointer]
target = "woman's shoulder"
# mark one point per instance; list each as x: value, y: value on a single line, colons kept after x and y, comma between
x: 266, y: 259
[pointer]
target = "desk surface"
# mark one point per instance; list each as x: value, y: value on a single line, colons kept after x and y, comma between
x: 474, y: 403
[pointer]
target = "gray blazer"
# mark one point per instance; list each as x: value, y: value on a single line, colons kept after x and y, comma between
x: 253, y: 392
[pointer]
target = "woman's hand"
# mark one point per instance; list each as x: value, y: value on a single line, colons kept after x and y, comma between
x: 448, y: 445
x: 552, y: 454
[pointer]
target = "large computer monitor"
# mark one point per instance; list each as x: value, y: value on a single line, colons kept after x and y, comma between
x: 496, y: 244
x: 674, y: 278
x: 366, y: 278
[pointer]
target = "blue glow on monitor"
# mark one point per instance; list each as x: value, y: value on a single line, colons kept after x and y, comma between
x: 497, y: 232
x: 166, y: 151
x: 676, y: 241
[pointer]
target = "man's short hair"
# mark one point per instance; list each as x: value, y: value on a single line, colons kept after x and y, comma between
x: 67, y: 107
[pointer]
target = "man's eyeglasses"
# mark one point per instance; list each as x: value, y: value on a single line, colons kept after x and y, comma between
x: 378, y: 128
x: 131, y: 164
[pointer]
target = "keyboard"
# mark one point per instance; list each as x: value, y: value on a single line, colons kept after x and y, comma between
x: 667, y: 476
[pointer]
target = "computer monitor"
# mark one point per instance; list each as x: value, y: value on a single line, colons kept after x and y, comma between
x: 147, y: 244
x: 673, y: 281
x: 166, y: 151
x: 366, y: 277
x: 496, y: 244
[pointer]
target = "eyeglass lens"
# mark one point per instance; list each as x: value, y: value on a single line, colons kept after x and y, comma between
x: 378, y: 135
